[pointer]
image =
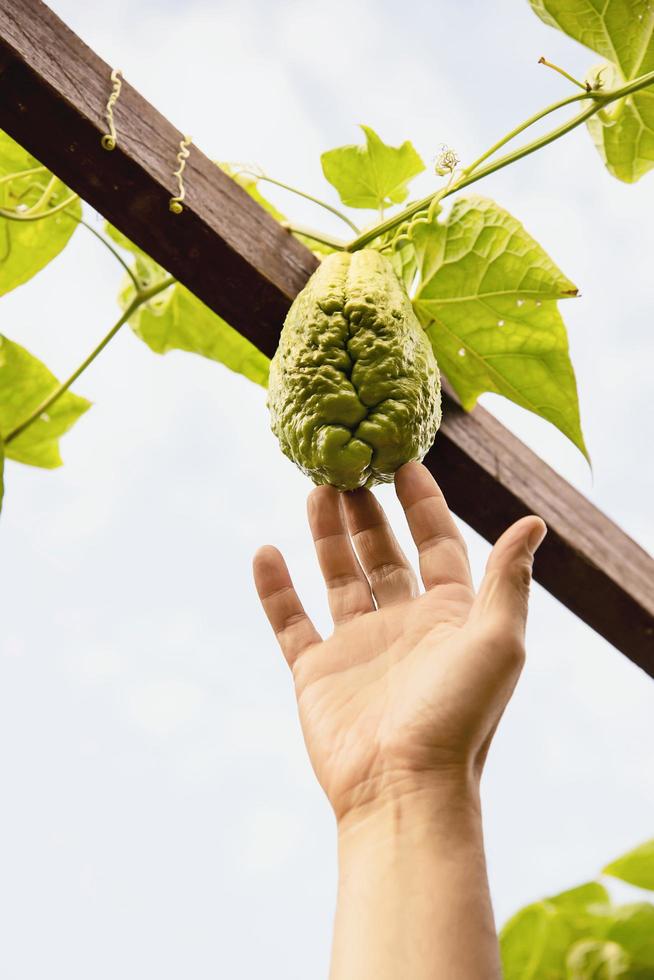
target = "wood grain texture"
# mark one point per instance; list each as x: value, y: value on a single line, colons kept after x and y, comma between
x: 234, y: 257
x: 491, y: 479
x: 223, y: 246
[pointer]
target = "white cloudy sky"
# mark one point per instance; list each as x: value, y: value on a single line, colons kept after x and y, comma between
x: 158, y: 815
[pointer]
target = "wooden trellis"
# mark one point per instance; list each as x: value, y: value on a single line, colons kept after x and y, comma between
x: 247, y: 268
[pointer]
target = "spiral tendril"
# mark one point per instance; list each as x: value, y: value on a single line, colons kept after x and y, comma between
x: 175, y: 204
x: 446, y: 161
x: 108, y: 141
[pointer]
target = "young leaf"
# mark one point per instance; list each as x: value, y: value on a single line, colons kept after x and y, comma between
x: 24, y: 383
x: 622, y: 31
x: 176, y: 320
x: 636, y: 867
x: 372, y: 176
x: 27, y: 246
x: 487, y: 297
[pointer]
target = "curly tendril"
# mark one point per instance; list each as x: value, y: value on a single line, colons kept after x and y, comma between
x: 108, y: 141
x: 175, y: 204
x: 446, y: 161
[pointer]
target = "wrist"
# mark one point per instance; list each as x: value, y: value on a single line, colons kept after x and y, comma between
x: 405, y: 803
x: 413, y: 895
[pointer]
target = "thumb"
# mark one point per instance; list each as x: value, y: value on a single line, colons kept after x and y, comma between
x: 504, y: 592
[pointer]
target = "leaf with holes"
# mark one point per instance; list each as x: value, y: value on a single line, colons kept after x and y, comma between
x: 24, y: 383
x: 27, y: 246
x: 487, y: 296
x: 373, y: 176
x: 175, y: 319
x: 622, y: 32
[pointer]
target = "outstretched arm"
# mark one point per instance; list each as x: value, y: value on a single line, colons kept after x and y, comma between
x: 398, y: 707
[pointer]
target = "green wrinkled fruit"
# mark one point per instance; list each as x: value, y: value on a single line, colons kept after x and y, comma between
x: 354, y: 389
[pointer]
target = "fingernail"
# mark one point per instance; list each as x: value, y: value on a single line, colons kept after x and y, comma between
x: 536, y: 537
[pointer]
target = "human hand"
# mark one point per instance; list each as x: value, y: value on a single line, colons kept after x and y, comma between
x: 410, y: 687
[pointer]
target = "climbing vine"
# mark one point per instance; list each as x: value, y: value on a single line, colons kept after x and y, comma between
x: 484, y: 290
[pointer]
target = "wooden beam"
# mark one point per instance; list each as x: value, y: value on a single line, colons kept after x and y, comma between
x: 491, y: 479
x: 234, y: 257
x: 223, y: 246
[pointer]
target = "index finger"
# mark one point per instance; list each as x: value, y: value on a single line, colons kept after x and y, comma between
x: 441, y: 549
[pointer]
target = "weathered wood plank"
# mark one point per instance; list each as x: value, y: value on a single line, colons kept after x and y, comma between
x: 233, y: 256
x: 223, y: 246
x: 491, y: 479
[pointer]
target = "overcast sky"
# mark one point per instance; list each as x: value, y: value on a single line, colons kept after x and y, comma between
x: 159, y: 817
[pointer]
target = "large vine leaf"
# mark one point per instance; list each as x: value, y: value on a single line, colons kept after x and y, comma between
x: 535, y: 941
x: 24, y: 383
x: 372, y: 176
x: 27, y: 246
x: 621, y: 31
x: 636, y: 867
x: 487, y: 297
x: 175, y: 319
x: 542, y: 939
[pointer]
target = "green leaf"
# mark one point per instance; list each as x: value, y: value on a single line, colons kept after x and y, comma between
x: 633, y: 928
x: 2, y: 472
x: 636, y: 867
x: 176, y: 320
x: 593, y: 959
x: 581, y: 897
x: 403, y: 260
x: 372, y: 176
x: 622, y: 31
x: 534, y: 943
x: 24, y: 383
x: 488, y: 299
x: 27, y: 246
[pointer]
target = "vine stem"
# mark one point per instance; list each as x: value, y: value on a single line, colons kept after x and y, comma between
x: 523, y: 151
x: 316, y: 236
x: 14, y: 216
x: 599, y: 101
x: 141, y: 297
x: 520, y: 129
x: 109, y: 246
x: 575, y: 81
x: 20, y: 173
x: 44, y: 196
x: 308, y: 197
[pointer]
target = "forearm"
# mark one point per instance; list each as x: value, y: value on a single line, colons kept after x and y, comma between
x: 413, y: 897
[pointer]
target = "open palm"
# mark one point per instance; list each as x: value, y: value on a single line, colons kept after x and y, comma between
x: 408, y: 685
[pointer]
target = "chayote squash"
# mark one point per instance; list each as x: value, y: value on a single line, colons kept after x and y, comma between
x: 354, y: 388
